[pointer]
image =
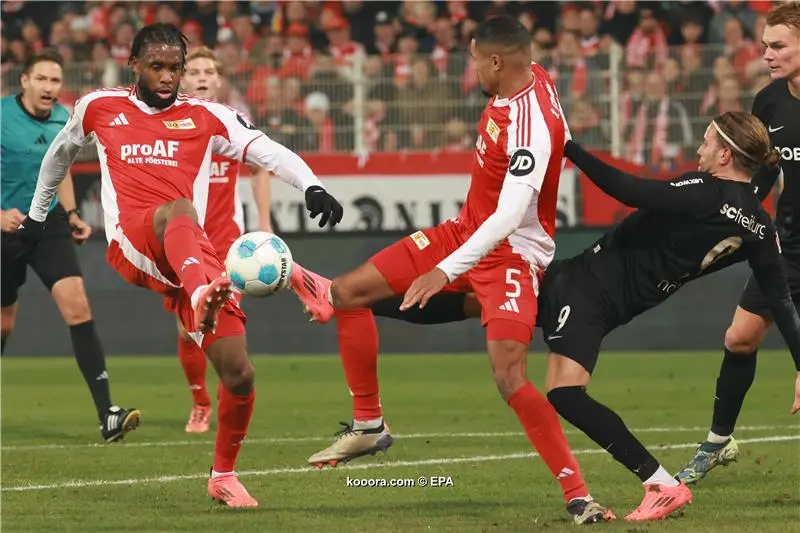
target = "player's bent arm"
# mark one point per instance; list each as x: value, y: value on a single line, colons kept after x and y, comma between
x: 764, y: 259
x: 515, y: 198
x: 55, y: 167
x: 654, y: 195
x: 262, y: 193
x: 59, y: 157
x: 269, y: 155
x: 66, y: 194
x: 239, y: 139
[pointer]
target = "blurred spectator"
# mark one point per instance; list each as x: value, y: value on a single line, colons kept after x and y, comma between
x: 324, y: 135
x: 589, y: 26
x: 632, y: 94
x: 659, y: 131
x: 740, y: 50
x: 672, y: 75
x: 447, y: 56
x: 360, y: 19
x: 421, y: 105
x: 384, y: 37
x: 244, y: 34
x: 569, y: 71
x: 620, y: 20
x: 457, y: 136
x: 281, y: 122
x: 729, y: 98
x: 584, y: 124
x: 298, y: 57
x: 730, y: 10
x: 570, y: 20
x: 647, y: 46
x: 121, y: 43
x: 342, y: 48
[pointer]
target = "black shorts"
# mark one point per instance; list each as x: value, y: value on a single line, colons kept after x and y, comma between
x: 754, y: 301
x: 574, y: 313
x: 54, y: 259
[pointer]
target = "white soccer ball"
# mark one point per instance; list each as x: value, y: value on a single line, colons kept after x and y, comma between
x: 259, y: 264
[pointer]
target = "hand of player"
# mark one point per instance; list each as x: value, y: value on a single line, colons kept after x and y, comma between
x: 80, y: 229
x: 423, y: 288
x: 11, y: 220
x: 796, y: 404
x: 319, y: 202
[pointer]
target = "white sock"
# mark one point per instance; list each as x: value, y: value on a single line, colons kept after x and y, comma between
x: 196, y: 295
x: 661, y: 477
x: 717, y: 439
x: 214, y: 474
x: 367, y: 424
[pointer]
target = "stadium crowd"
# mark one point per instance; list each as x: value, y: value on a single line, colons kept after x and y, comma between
x: 397, y: 75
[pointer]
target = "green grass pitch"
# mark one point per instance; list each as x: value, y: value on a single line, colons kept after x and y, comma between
x: 447, y: 417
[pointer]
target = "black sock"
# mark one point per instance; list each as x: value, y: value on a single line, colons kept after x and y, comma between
x: 605, y: 427
x: 441, y: 309
x: 736, y: 374
x: 92, y: 362
x: 3, y: 339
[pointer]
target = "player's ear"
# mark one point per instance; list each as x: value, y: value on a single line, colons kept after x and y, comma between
x: 24, y: 80
x: 497, y: 62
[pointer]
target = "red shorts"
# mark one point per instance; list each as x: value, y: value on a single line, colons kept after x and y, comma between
x: 139, y: 257
x: 504, y: 282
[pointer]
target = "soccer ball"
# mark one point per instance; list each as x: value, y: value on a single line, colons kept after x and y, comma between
x: 259, y: 264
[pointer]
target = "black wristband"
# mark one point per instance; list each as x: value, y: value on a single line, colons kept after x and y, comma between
x: 75, y: 211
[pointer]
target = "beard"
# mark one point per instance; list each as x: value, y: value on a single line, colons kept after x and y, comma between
x: 152, y: 99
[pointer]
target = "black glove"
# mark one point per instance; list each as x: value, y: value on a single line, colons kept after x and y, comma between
x: 318, y: 201
x: 31, y: 231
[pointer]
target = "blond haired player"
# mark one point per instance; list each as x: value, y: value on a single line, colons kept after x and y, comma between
x: 224, y: 223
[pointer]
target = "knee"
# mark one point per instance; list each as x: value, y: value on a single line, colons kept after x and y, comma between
x: 741, y: 340
x: 183, y: 207
x: 508, y: 367
x: 563, y: 397
x: 72, y: 301
x: 239, y: 375
x: 345, y: 294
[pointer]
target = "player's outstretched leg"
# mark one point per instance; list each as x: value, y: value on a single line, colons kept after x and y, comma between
x: 194, y: 363
x: 358, y: 347
x: 567, y: 382
x: 539, y: 419
x: 736, y: 375
x: 235, y: 408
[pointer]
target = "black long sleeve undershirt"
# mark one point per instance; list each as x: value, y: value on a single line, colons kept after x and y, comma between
x: 685, y: 194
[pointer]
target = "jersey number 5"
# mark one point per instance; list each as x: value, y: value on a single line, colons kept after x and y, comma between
x: 514, y: 287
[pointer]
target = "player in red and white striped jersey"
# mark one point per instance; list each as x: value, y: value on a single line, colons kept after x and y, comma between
x: 498, y: 246
x: 224, y: 224
x: 155, y: 149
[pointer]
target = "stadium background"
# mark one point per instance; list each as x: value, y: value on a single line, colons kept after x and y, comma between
x: 381, y: 100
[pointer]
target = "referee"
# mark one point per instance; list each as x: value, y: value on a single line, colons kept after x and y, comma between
x: 31, y: 119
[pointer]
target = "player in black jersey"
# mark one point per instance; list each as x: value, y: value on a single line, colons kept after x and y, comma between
x: 778, y: 107
x: 686, y: 228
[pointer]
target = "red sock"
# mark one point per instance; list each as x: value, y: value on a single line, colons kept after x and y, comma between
x: 193, y: 361
x: 540, y: 422
x: 358, y: 348
x: 233, y: 418
x: 182, y: 246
